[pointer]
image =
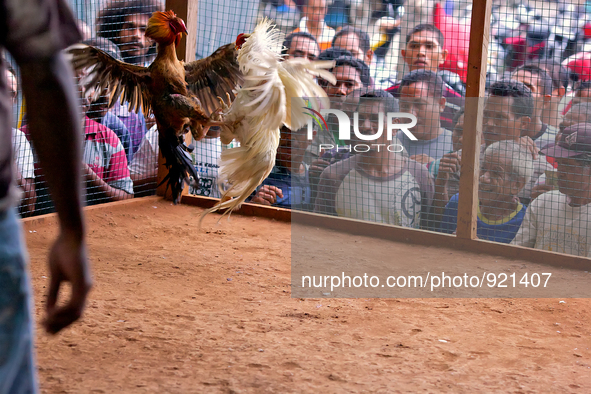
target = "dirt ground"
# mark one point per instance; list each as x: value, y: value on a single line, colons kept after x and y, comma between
x: 176, y: 309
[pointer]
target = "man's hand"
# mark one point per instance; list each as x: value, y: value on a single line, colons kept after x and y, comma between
x: 538, y: 190
x: 450, y: 163
x: 529, y: 145
x: 267, y: 195
x: 318, y: 166
x: 68, y: 262
x: 422, y: 158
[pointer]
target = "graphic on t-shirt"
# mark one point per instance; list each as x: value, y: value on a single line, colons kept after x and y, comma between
x: 205, y: 187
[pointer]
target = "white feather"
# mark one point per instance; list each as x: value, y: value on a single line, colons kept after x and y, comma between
x: 270, y: 97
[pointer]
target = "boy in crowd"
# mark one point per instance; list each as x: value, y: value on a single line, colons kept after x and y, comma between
x: 424, y: 51
x: 313, y: 23
x: 540, y: 84
x: 351, y: 74
x: 558, y: 221
x: 560, y: 82
x: 300, y: 44
x: 379, y: 184
x: 288, y: 185
x: 421, y: 94
x: 355, y: 41
x: 506, y: 169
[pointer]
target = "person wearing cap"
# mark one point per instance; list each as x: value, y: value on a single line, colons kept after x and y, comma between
x: 558, y: 221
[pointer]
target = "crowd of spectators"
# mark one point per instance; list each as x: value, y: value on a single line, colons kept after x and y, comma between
x: 533, y: 158
x: 535, y: 163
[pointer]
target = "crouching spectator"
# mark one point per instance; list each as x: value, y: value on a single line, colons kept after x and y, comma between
x: 506, y: 169
x: 558, y: 221
x: 288, y: 185
x: 379, y: 184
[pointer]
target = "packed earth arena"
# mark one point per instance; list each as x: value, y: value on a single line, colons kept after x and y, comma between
x: 336, y: 115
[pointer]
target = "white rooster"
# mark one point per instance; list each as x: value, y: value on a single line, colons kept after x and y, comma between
x: 271, y: 96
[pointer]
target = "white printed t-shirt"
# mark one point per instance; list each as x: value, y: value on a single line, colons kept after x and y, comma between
x: 206, y: 156
x: 551, y: 224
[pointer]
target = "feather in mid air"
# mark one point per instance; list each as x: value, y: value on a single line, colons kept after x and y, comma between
x: 271, y: 95
x: 182, y: 96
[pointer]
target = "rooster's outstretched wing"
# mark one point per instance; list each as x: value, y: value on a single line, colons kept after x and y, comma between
x: 105, y: 74
x: 214, y: 76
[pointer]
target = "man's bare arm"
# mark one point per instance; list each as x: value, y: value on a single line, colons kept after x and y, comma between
x: 54, y: 123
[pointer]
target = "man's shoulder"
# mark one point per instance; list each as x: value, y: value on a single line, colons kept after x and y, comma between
x: 445, y: 136
x: 549, y: 200
x: 337, y: 171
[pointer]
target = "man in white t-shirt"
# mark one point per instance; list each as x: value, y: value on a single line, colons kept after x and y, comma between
x: 379, y: 184
x: 559, y: 220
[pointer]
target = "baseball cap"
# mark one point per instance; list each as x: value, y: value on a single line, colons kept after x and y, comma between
x: 580, y: 65
x: 573, y: 141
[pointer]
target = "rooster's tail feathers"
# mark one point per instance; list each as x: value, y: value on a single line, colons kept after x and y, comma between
x: 243, y: 168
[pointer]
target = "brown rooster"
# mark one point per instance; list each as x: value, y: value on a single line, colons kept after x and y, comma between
x: 182, y: 96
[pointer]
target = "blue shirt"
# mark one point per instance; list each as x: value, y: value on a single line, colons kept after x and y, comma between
x: 503, y: 230
x: 296, y: 188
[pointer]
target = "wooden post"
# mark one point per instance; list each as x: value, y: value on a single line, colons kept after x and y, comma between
x: 187, y: 11
x: 476, y: 79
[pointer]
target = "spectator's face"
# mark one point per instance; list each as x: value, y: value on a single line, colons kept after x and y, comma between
x: 533, y: 82
x: 369, y: 121
x: 12, y: 86
x: 315, y: 10
x: 132, y: 40
x: 458, y: 134
x: 423, y: 51
x: 573, y: 177
x: 495, y: 184
x: 303, y: 47
x: 416, y: 99
x: 348, y: 79
x: 292, y: 147
x: 351, y: 43
x: 499, y: 122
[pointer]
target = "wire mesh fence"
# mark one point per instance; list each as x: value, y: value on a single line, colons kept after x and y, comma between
x: 393, y: 59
